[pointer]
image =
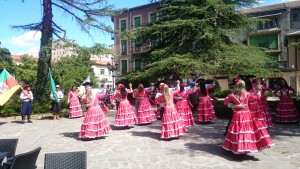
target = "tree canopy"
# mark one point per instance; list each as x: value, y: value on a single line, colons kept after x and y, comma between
x: 193, y: 35
x: 87, y: 15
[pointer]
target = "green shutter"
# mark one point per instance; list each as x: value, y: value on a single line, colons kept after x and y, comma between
x: 137, y: 22
x: 153, y: 17
x: 123, y: 25
x: 138, y: 64
x: 124, y: 66
x: 265, y: 41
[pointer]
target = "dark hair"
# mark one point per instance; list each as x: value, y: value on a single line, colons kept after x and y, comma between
x: 286, y: 85
x: 248, y: 84
x: 123, y: 92
x: 203, y: 89
x: 72, y: 87
x: 181, y: 88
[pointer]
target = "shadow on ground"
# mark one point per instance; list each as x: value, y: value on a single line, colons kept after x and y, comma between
x: 217, y: 150
x: 148, y: 134
x: 73, y: 135
x: 1, y: 123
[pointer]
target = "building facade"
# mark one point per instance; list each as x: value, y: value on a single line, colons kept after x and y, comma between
x: 60, y: 50
x: 277, y: 32
x: 127, y: 48
x: 101, y: 71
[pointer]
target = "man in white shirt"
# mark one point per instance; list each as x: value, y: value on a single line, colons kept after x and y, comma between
x: 56, y: 102
x: 26, y: 109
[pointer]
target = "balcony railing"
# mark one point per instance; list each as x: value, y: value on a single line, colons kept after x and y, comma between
x: 283, y: 65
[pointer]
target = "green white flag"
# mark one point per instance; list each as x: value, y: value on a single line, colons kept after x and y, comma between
x: 53, y: 87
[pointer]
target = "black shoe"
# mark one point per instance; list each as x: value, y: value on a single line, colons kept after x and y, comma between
x: 29, y: 121
x: 23, y: 122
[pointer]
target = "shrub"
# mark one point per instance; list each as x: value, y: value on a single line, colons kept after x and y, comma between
x: 12, y: 107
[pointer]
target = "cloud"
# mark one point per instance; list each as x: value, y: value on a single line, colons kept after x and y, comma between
x: 26, y: 43
x: 33, y: 51
x: 27, y: 39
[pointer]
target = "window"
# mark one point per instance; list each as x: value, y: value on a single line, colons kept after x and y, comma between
x: 260, y: 26
x: 138, y: 45
x: 124, y: 47
x: 153, y: 42
x: 138, y: 64
x: 102, y: 71
x: 153, y: 17
x: 271, y: 23
x: 265, y: 41
x: 137, y: 21
x: 124, y: 66
x: 123, y: 25
x: 295, y: 17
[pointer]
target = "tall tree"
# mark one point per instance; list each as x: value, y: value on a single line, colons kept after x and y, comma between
x: 87, y: 14
x: 200, y: 32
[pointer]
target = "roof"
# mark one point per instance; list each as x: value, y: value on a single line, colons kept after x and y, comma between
x: 101, y: 62
x: 16, y: 57
x: 144, y: 6
x: 137, y: 8
x: 291, y: 4
x: 294, y: 33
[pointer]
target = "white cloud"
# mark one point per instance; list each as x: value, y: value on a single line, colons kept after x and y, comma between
x: 27, y: 43
x: 27, y: 39
x: 33, y: 51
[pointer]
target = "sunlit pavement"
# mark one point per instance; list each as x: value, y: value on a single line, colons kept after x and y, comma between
x: 141, y: 147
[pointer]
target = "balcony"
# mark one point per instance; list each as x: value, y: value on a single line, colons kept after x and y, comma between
x: 284, y: 65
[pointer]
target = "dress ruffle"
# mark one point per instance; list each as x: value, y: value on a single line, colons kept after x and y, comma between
x: 205, y: 110
x: 125, y: 115
x: 246, y: 134
x: 145, y: 113
x: 286, y: 110
x: 94, y: 124
x: 75, y: 108
x: 172, y: 124
x: 185, y: 112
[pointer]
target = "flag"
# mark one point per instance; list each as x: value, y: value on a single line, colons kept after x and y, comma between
x: 8, y: 86
x: 53, y: 87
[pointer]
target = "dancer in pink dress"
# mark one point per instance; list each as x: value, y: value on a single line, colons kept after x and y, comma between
x: 125, y: 116
x: 264, y: 103
x: 183, y: 107
x: 205, y: 108
x: 95, y: 122
x: 245, y: 134
x: 286, y: 110
x: 255, y: 104
x: 74, y: 104
x: 172, y: 125
x: 145, y: 113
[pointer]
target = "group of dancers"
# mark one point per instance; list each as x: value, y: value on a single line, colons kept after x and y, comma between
x: 246, y: 132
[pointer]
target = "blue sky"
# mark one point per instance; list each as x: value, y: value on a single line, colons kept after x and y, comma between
x: 14, y: 12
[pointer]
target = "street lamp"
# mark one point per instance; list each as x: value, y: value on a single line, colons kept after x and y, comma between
x: 112, y: 67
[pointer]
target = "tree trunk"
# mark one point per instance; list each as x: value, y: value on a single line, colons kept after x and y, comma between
x: 44, y: 62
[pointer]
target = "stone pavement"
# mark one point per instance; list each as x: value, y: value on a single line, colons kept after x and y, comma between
x: 140, y: 147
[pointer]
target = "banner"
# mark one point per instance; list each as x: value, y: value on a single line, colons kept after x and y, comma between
x: 53, y: 87
x: 8, y: 86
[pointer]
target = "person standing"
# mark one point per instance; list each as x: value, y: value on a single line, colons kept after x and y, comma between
x: 95, y: 122
x: 125, y: 116
x: 245, y: 134
x: 145, y: 113
x: 74, y: 104
x: 26, y: 97
x: 56, y: 102
x: 205, y: 108
x: 172, y: 125
x: 286, y: 111
x: 183, y: 107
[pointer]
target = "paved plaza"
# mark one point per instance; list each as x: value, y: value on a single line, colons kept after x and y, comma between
x: 141, y: 147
